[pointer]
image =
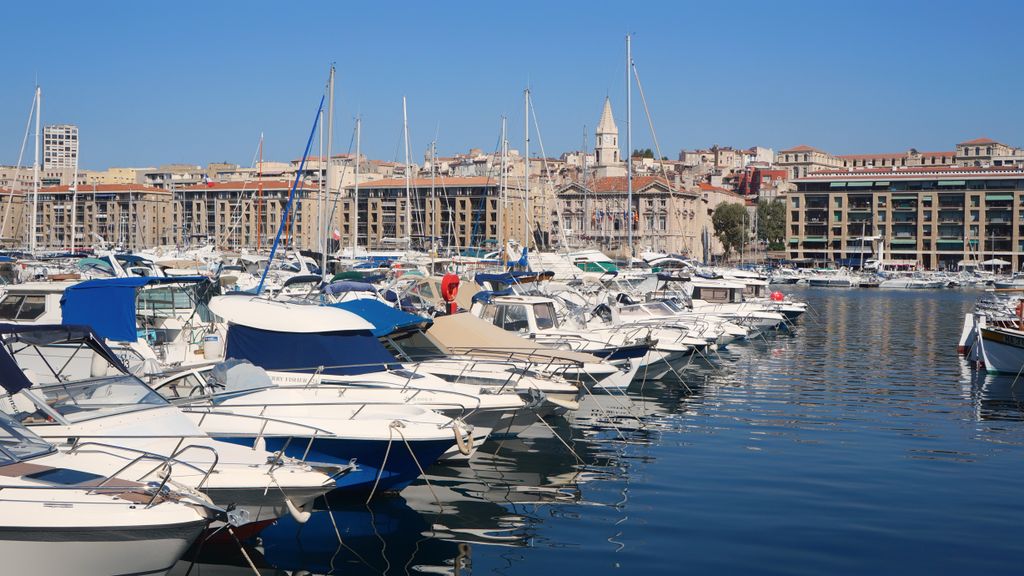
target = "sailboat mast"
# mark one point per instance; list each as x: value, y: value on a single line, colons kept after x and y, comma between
x: 355, y: 193
x: 434, y: 210
x: 259, y: 200
x: 503, y: 182
x: 324, y: 225
x: 629, y: 146
x: 320, y: 186
x: 408, y: 175
x: 74, y: 199
x: 583, y: 176
x: 526, y: 158
x: 35, y: 173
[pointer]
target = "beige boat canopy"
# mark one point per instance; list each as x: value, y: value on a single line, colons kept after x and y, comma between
x: 466, y: 334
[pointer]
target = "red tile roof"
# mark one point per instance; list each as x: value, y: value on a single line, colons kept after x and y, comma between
x: 438, y: 182
x: 981, y: 140
x: 619, y: 183
x: 802, y: 148
x: 105, y: 188
x: 705, y: 187
x: 888, y: 173
x: 249, y: 185
x: 893, y: 155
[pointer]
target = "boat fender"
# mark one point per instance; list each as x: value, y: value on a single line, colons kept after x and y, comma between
x: 298, y: 514
x: 1020, y: 314
x: 465, y: 446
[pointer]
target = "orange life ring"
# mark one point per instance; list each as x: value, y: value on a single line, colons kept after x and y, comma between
x: 449, y: 287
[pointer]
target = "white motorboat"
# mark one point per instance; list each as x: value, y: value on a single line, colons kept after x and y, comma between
x: 117, y: 410
x: 57, y: 517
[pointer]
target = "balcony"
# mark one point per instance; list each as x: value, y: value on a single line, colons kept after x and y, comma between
x: 999, y: 245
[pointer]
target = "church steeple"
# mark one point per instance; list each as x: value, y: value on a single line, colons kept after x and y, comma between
x: 607, y: 144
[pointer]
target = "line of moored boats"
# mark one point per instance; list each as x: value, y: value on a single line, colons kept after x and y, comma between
x: 151, y: 400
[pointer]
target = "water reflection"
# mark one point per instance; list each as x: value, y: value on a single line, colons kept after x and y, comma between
x: 501, y: 498
x: 995, y: 396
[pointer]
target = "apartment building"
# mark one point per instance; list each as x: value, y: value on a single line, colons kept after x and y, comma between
x: 60, y: 146
x: 933, y: 216
x: 129, y: 215
x: 457, y: 211
x: 12, y: 218
x: 238, y: 214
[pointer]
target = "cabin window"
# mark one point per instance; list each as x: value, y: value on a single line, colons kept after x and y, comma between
x: 512, y: 318
x: 488, y: 312
x: 545, y: 316
x: 425, y: 291
x: 714, y: 294
x: 22, y: 306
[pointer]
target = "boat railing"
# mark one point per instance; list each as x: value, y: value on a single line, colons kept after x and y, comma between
x: 265, y: 405
x: 417, y: 391
x: 174, y: 457
x: 208, y: 410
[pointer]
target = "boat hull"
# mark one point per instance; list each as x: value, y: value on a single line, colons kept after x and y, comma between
x: 1002, y: 351
x: 395, y: 467
x: 88, y: 550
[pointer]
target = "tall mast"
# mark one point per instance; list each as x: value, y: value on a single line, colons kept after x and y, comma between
x: 629, y: 146
x: 355, y: 193
x: 526, y: 156
x: 259, y: 200
x: 35, y: 174
x: 324, y: 225
x: 320, y: 187
x: 74, y: 199
x: 583, y: 177
x: 434, y: 211
x: 503, y: 186
x: 408, y: 175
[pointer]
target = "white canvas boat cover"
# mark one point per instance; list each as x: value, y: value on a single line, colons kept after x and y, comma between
x: 265, y: 314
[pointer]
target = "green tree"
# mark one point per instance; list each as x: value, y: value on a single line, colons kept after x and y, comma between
x: 771, y: 223
x: 730, y: 221
x: 645, y: 153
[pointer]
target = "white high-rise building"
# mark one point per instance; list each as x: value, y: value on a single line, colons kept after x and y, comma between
x: 606, y: 148
x: 60, y: 146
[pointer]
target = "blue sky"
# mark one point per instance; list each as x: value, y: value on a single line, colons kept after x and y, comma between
x: 159, y: 82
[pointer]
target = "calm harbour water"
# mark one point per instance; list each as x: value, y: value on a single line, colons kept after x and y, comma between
x: 861, y: 444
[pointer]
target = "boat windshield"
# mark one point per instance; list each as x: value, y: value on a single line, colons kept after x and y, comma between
x: 657, y: 309
x: 545, y: 316
x: 96, y: 397
x: 17, y: 443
